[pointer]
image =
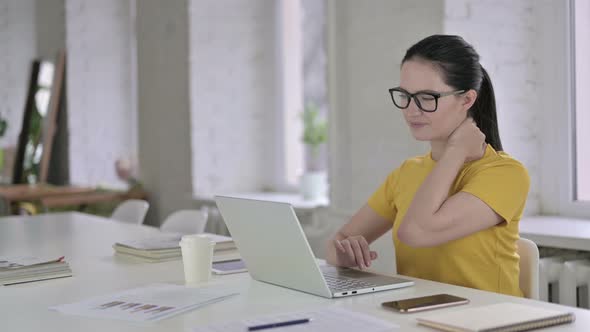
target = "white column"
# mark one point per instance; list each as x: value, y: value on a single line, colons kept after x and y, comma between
x: 368, y: 136
x: 163, y: 103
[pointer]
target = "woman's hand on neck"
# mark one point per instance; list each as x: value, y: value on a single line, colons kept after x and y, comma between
x: 466, y: 142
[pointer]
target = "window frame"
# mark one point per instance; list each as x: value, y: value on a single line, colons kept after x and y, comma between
x: 289, y: 148
x: 558, y: 150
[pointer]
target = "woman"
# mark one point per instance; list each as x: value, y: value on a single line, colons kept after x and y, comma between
x: 454, y: 211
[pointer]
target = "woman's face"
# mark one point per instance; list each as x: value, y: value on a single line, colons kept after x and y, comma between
x: 419, y: 75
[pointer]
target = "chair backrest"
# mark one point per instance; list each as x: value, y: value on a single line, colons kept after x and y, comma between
x: 529, y: 268
x: 186, y: 222
x: 131, y: 211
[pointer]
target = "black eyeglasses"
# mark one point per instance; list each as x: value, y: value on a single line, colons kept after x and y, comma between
x: 426, y: 101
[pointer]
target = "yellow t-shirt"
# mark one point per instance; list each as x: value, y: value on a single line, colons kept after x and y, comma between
x: 484, y: 260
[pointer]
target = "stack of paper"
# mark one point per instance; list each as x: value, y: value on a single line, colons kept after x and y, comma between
x: 166, y: 247
x: 14, y: 270
x: 150, y: 303
x: 320, y: 320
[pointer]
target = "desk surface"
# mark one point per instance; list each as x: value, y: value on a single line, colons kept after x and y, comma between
x: 86, y: 242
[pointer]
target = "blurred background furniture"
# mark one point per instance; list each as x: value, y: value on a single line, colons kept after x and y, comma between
x: 186, y: 222
x: 131, y: 211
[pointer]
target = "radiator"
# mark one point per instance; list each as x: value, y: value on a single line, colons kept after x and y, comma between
x: 564, y: 276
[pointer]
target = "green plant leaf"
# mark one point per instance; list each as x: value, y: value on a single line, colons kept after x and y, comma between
x: 3, y: 127
x: 314, y: 128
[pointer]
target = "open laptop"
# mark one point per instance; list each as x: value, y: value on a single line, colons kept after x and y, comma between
x: 272, y: 243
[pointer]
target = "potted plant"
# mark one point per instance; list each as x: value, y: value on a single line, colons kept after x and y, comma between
x: 313, y: 184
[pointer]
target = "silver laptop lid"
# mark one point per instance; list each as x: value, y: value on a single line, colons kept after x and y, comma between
x: 272, y: 243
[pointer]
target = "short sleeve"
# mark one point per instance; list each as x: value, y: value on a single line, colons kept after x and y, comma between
x: 382, y: 200
x: 503, y: 187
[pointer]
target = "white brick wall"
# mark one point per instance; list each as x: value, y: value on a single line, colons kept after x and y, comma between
x: 233, y: 94
x: 231, y: 45
x: 367, y: 42
x: 100, y: 114
x: 368, y: 137
x: 17, y: 50
x: 505, y: 34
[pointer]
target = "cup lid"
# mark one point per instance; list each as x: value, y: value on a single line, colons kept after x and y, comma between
x: 196, y: 238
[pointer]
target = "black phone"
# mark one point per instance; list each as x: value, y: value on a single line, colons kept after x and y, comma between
x: 425, y: 303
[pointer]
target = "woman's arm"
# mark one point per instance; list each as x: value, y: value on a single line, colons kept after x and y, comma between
x: 433, y: 217
x: 350, y: 246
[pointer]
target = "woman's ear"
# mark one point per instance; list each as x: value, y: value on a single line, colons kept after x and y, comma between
x: 469, y: 98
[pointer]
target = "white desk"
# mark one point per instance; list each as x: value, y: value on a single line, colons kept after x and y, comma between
x: 86, y: 242
x: 558, y: 232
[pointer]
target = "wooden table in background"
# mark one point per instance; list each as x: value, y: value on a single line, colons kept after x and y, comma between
x: 12, y: 195
x: 85, y: 198
x: 49, y: 196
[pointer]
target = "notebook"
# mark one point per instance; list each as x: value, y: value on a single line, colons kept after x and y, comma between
x: 500, y: 317
x: 166, y: 247
x: 170, y: 242
x: 21, y: 269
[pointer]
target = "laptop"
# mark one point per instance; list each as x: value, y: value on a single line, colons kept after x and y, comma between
x: 271, y: 242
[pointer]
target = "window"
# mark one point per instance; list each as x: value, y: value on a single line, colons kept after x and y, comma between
x: 581, y: 106
x: 246, y: 105
x: 565, y: 161
x: 302, y: 59
x: 290, y: 158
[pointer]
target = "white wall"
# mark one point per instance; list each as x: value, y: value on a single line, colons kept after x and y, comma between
x: 233, y: 95
x: 368, y: 137
x: 100, y: 106
x: 163, y: 104
x: 18, y: 48
x: 507, y: 36
x: 206, y: 65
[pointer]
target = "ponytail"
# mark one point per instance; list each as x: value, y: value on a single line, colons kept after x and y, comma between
x: 483, y: 112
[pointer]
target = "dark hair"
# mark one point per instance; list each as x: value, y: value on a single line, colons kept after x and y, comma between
x: 459, y: 64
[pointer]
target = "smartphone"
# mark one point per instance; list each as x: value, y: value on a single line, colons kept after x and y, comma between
x: 228, y: 267
x: 425, y: 303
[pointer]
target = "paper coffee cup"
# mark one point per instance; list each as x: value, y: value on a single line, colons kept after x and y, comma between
x: 197, y: 256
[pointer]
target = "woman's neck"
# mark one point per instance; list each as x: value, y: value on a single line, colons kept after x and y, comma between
x: 437, y: 149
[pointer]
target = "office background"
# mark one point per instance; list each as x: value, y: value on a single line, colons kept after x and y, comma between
x: 199, y: 93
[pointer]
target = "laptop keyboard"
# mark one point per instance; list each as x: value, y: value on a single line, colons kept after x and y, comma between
x: 339, y: 283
